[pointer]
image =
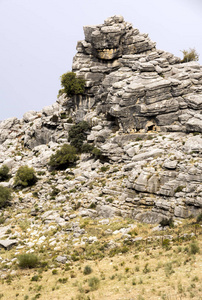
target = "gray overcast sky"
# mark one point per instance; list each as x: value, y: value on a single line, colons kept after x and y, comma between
x: 39, y: 37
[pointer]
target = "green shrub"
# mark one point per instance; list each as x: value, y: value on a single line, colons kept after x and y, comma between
x: 28, y: 261
x: 87, y: 148
x: 167, y: 222
x: 110, y: 200
x: 4, y: 173
x: 25, y: 176
x: 194, y: 248
x: 94, y: 283
x: 146, y: 268
x: 168, y: 268
x: 97, y: 153
x: 35, y: 278
x: 199, y: 218
x: 71, y: 84
x: 63, y: 116
x: 104, y: 168
x: 5, y: 196
x: 62, y: 280
x: 77, y: 134
x: 55, y: 191
x: 2, y: 220
x: 179, y: 189
x: 87, y: 270
x: 190, y: 55
x: 64, y: 157
x: 166, y: 243
x: 92, y: 205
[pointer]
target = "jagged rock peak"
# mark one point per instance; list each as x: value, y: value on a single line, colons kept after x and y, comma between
x: 113, y: 39
x: 140, y: 86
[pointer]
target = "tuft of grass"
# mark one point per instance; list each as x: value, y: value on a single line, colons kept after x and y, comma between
x: 94, y: 283
x: 87, y: 270
x: 194, y: 248
x: 28, y: 261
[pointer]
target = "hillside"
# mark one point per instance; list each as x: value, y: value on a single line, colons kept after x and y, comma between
x: 128, y: 202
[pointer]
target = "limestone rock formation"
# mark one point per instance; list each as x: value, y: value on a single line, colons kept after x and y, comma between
x: 145, y: 111
x: 140, y: 86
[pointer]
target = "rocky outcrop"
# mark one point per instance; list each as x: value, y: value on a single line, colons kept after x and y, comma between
x: 142, y: 87
x: 144, y: 108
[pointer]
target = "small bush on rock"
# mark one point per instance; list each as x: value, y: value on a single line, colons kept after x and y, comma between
x: 5, y: 196
x: 87, y: 148
x: 25, y: 176
x: 167, y: 222
x: 64, y: 157
x: 4, y: 173
x: 190, y: 55
x: 97, y: 153
x: 28, y: 261
x: 77, y: 134
x: 71, y: 84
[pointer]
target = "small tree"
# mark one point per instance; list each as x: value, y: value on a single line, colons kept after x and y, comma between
x: 25, y: 176
x: 5, y: 196
x: 4, y: 173
x: 71, y: 84
x: 77, y: 134
x: 63, y: 157
x: 190, y: 55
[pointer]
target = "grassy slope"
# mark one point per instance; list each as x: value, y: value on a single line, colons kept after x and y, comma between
x: 148, y: 270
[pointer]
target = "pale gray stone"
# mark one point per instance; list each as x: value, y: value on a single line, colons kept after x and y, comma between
x: 145, y: 155
x: 8, y: 244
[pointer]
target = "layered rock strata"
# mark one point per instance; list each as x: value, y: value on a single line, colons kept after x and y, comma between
x: 142, y: 87
x: 144, y: 108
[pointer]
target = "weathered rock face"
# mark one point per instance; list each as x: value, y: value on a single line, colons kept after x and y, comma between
x: 150, y: 173
x: 142, y: 87
x: 113, y: 39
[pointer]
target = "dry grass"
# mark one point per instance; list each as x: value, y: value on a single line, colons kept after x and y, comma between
x: 148, y: 270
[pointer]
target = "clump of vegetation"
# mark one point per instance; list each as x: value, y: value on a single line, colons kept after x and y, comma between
x: 71, y: 84
x: 35, y: 278
x: 25, y: 176
x: 94, y: 283
x: 87, y: 148
x: 63, y: 115
x: 87, y: 270
x: 5, y: 196
x: 199, y: 218
x: 190, y: 55
x: 167, y: 222
x: 97, y: 153
x: 4, y: 173
x: 62, y: 280
x: 194, y: 248
x: 64, y: 157
x: 28, y: 261
x: 168, y: 268
x: 179, y: 189
x: 77, y: 134
x: 55, y: 191
x: 104, y: 168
